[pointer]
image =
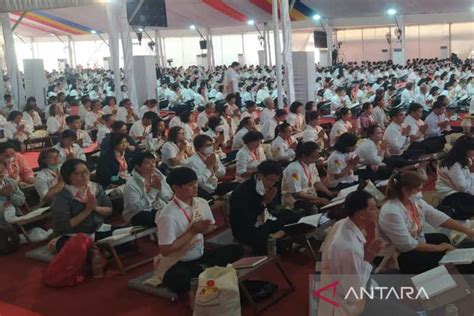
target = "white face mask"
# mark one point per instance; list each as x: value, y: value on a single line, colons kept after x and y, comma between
x: 208, y: 151
x: 219, y: 129
x: 260, y: 188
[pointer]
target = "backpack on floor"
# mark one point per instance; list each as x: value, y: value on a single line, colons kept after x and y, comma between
x: 68, y: 267
x: 9, y: 239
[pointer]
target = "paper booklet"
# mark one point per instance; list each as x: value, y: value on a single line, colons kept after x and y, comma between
x: 249, y: 262
x: 434, y: 282
x: 458, y: 256
x: 31, y: 214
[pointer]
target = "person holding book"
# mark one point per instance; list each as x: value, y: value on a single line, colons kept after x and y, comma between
x: 48, y: 181
x: 11, y: 198
x: 182, y: 224
x: 401, y: 222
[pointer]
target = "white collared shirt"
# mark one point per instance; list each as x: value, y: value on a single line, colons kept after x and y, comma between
x: 91, y: 120
x: 246, y: 161
x: 207, y: 179
x: 138, y: 130
x: 296, y: 121
x: 297, y: 179
x: 169, y: 151
x: 454, y: 179
x: 110, y: 109
x: 311, y: 134
x: 432, y: 120
x: 266, y: 115
x: 86, y: 139
x: 339, y: 128
x: 281, y: 149
x: 77, y: 152
x: 45, y: 179
x: 55, y: 124
x: 102, y: 132
x: 238, y: 141
x: 172, y: 223
x: 415, y: 126
x: 122, y: 115
x: 368, y: 153
x: 268, y: 129
x: 379, y: 116
x: 137, y: 199
x: 397, y: 143
x: 202, y: 119
x: 337, y: 162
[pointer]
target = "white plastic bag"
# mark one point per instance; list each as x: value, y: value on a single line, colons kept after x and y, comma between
x: 218, y: 293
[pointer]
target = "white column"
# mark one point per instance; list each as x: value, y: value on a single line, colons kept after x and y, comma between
x: 16, y: 82
x: 287, y: 50
x: 74, y: 53
x: 243, y: 48
x: 209, y: 52
x: 278, y: 57
x: 265, y: 46
x: 70, y: 54
x: 163, y: 51
x: 329, y: 40
x: 114, y: 64
x: 32, y: 40
x: 159, y: 60
x: 401, y: 23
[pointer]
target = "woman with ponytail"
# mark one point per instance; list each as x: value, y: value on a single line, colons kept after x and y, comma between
x: 401, y: 222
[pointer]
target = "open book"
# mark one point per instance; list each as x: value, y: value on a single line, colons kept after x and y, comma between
x: 31, y: 215
x: 249, y: 262
x: 434, y: 282
x: 458, y: 256
x: 121, y: 232
x: 339, y: 199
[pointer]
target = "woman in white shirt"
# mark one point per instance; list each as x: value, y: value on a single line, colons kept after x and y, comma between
x: 67, y: 147
x: 455, y: 183
x: 342, y: 125
x: 93, y: 117
x: 342, y: 162
x: 284, y: 145
x: 313, y: 131
x: 31, y: 118
x: 15, y: 129
x: 175, y: 151
x: 157, y: 138
x: 401, y: 222
x: 249, y: 156
x: 48, y: 181
x: 188, y: 123
x: 246, y: 124
x: 301, y: 181
x: 296, y: 117
x: 111, y: 106
x: 56, y: 122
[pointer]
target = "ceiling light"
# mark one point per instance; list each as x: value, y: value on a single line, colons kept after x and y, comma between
x: 250, y: 22
x: 192, y: 27
x: 316, y: 17
x: 391, y: 11
x: 93, y: 31
x: 140, y: 29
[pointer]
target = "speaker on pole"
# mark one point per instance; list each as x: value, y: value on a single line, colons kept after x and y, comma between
x: 203, y: 44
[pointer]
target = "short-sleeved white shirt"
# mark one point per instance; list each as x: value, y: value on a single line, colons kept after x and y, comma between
x: 337, y: 162
x: 298, y: 177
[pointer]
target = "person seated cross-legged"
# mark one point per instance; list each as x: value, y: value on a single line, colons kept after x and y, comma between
x: 182, y: 224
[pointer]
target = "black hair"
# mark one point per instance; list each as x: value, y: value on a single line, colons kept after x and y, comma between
x: 270, y: 167
x: 106, y: 117
x: 438, y: 105
x: 68, y: 167
x: 243, y: 123
x: 140, y: 158
x: 280, y: 112
x: 342, y: 112
x: 214, y: 122
x: 5, y: 146
x: 356, y: 201
x: 115, y: 139
x: 252, y: 136
x: 311, y: 116
x: 394, y: 112
x: 117, y: 125
x: 294, y: 106
x: 281, y: 127
x: 44, y: 155
x: 173, y: 133
x: 154, y: 124
x: 71, y: 118
x: 150, y: 115
x: 185, y: 116
x: 68, y: 134
x: 344, y: 141
x: 249, y: 104
x: 181, y: 176
x: 229, y: 97
x: 306, y: 149
x: 13, y: 115
x: 371, y: 129
x: 458, y: 152
x: 200, y: 140
x: 414, y: 107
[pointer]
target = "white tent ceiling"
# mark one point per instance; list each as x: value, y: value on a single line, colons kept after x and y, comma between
x: 182, y: 13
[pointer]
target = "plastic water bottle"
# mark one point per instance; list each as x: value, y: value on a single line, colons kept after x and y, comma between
x: 271, y: 246
x: 451, y: 310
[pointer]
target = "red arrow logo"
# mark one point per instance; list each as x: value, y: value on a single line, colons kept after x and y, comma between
x: 332, y: 286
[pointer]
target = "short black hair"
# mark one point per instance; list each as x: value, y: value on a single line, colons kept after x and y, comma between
x: 181, y: 176
x: 44, y: 155
x: 311, y: 116
x: 270, y: 167
x: 414, y: 107
x: 5, y: 146
x: 116, y: 138
x: 13, y: 114
x: 117, y: 125
x: 394, y: 112
x: 341, y: 112
x: 344, y: 141
x: 150, y: 115
x: 305, y: 149
x: 68, y: 134
x: 249, y: 104
x: 173, y: 133
x: 200, y: 140
x: 214, y: 122
x: 280, y: 112
x: 106, y: 117
x: 371, y: 129
x: 356, y: 201
x: 252, y: 136
x: 140, y: 158
x: 68, y: 167
x: 438, y: 105
x: 295, y: 105
x: 72, y: 118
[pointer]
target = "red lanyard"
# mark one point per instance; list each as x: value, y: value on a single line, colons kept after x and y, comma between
x: 122, y: 162
x: 307, y: 174
x: 182, y: 210
x: 289, y: 141
x: 415, y: 217
x: 255, y: 156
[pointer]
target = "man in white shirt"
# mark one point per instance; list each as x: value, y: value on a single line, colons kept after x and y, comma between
x: 231, y: 79
x: 203, y: 117
x: 182, y: 225
x: 379, y: 111
x: 140, y: 129
x: 347, y: 256
x: 372, y: 152
x: 126, y: 112
x: 268, y: 128
x: 422, y: 97
x: 437, y: 121
x: 396, y: 134
x: 268, y: 112
x: 146, y: 192
x: 82, y: 137
x: 407, y: 94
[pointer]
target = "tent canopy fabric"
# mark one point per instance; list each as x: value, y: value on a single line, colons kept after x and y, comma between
x: 79, y: 17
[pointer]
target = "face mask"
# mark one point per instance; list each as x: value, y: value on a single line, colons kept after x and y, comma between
x: 208, y: 151
x: 54, y: 166
x: 260, y: 188
x: 219, y: 129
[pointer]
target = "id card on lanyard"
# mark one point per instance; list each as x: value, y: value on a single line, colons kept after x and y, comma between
x: 189, y: 217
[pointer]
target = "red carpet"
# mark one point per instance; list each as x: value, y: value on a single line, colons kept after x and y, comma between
x: 20, y: 285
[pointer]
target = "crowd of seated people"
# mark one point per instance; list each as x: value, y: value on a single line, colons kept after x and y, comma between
x: 277, y: 165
